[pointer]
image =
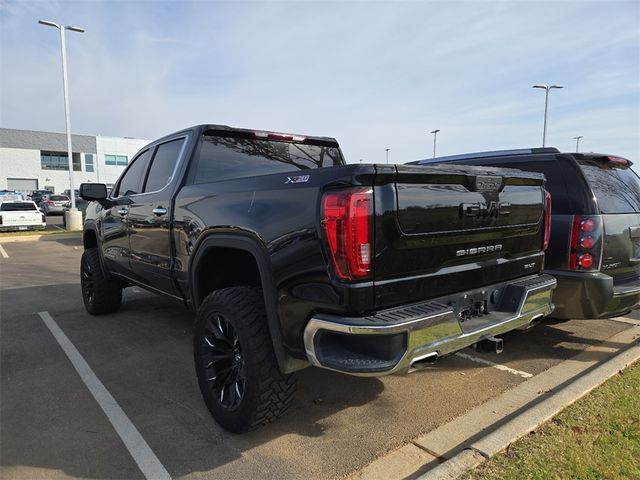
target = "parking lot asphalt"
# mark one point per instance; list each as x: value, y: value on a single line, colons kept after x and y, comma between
x: 54, y: 222
x: 52, y: 427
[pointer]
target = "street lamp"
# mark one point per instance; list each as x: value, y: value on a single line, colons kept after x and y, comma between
x: 577, y: 139
x: 435, y: 135
x: 546, y: 105
x: 65, y: 87
x: 387, y: 151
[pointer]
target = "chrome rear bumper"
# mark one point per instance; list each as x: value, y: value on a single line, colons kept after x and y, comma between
x: 395, y: 340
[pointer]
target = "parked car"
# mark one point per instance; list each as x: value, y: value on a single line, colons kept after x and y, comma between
x: 37, y: 195
x: 54, y: 204
x: 595, y: 226
x: 290, y: 257
x: 67, y: 192
x: 11, y: 196
x: 20, y: 215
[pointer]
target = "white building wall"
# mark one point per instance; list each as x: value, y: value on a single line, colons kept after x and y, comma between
x: 115, y: 146
x: 20, y: 157
x: 25, y: 163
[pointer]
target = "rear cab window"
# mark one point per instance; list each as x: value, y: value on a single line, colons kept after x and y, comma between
x: 225, y: 158
x: 18, y: 207
x: 616, y: 187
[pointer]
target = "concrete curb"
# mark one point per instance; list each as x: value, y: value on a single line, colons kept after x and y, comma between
x: 531, y: 419
x: 38, y: 236
x: 468, y: 440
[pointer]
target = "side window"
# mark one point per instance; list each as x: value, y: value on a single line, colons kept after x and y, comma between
x: 131, y: 182
x: 163, y: 165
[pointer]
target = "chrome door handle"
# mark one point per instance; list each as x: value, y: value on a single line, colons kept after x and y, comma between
x: 159, y: 211
x: 123, y: 211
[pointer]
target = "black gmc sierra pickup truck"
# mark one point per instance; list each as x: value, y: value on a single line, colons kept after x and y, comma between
x: 291, y: 257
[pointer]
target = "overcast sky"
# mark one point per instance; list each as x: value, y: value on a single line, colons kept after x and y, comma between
x: 374, y: 75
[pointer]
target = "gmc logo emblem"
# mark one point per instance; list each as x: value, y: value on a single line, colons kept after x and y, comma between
x: 484, y: 209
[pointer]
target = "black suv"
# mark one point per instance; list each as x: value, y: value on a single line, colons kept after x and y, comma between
x: 594, y: 249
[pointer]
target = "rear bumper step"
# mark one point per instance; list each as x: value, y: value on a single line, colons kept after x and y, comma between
x: 405, y: 338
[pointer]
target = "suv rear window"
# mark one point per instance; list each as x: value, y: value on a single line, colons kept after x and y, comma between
x: 58, y: 198
x: 225, y: 158
x: 567, y: 198
x: 616, y: 189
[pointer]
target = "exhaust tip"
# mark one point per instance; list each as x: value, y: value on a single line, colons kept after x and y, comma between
x: 422, y: 362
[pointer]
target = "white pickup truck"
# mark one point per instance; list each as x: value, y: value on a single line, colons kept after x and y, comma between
x: 21, y: 215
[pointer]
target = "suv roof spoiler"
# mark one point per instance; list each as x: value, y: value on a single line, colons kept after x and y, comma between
x: 495, y: 153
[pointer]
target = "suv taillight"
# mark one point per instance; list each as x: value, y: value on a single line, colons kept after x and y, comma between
x: 586, y: 243
x: 347, y: 220
x: 50, y: 203
x: 547, y: 220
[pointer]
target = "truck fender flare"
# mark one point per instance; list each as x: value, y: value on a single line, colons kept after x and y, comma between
x: 253, y: 246
x: 90, y: 225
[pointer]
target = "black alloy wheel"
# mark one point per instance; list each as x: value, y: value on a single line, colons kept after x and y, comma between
x: 238, y: 374
x: 86, y: 280
x: 101, y: 293
x: 221, y: 357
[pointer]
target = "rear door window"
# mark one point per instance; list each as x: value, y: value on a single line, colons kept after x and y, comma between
x: 163, y: 164
x: 617, y: 189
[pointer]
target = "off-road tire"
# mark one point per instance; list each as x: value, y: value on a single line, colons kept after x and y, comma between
x: 101, y: 292
x: 266, y: 393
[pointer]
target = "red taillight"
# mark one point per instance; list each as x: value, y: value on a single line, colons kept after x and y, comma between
x: 282, y: 137
x: 586, y: 245
x: 547, y: 220
x: 587, y: 242
x: 347, y: 222
x: 585, y: 260
x: 50, y: 203
x: 618, y: 160
x: 587, y: 225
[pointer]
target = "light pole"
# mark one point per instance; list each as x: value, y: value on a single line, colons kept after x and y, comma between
x: 435, y: 135
x: 387, y: 152
x: 65, y: 88
x: 546, y: 105
x: 577, y: 139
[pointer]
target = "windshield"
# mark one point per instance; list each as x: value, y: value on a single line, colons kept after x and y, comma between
x: 617, y: 189
x: 17, y: 207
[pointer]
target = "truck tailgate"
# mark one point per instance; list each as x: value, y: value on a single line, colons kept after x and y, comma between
x: 21, y: 218
x: 443, y: 228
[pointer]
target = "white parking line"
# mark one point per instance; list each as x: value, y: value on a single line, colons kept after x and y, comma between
x: 137, y: 446
x: 494, y: 365
x: 3, y: 252
x: 630, y: 321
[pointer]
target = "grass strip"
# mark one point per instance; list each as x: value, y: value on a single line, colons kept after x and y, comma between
x: 598, y: 437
